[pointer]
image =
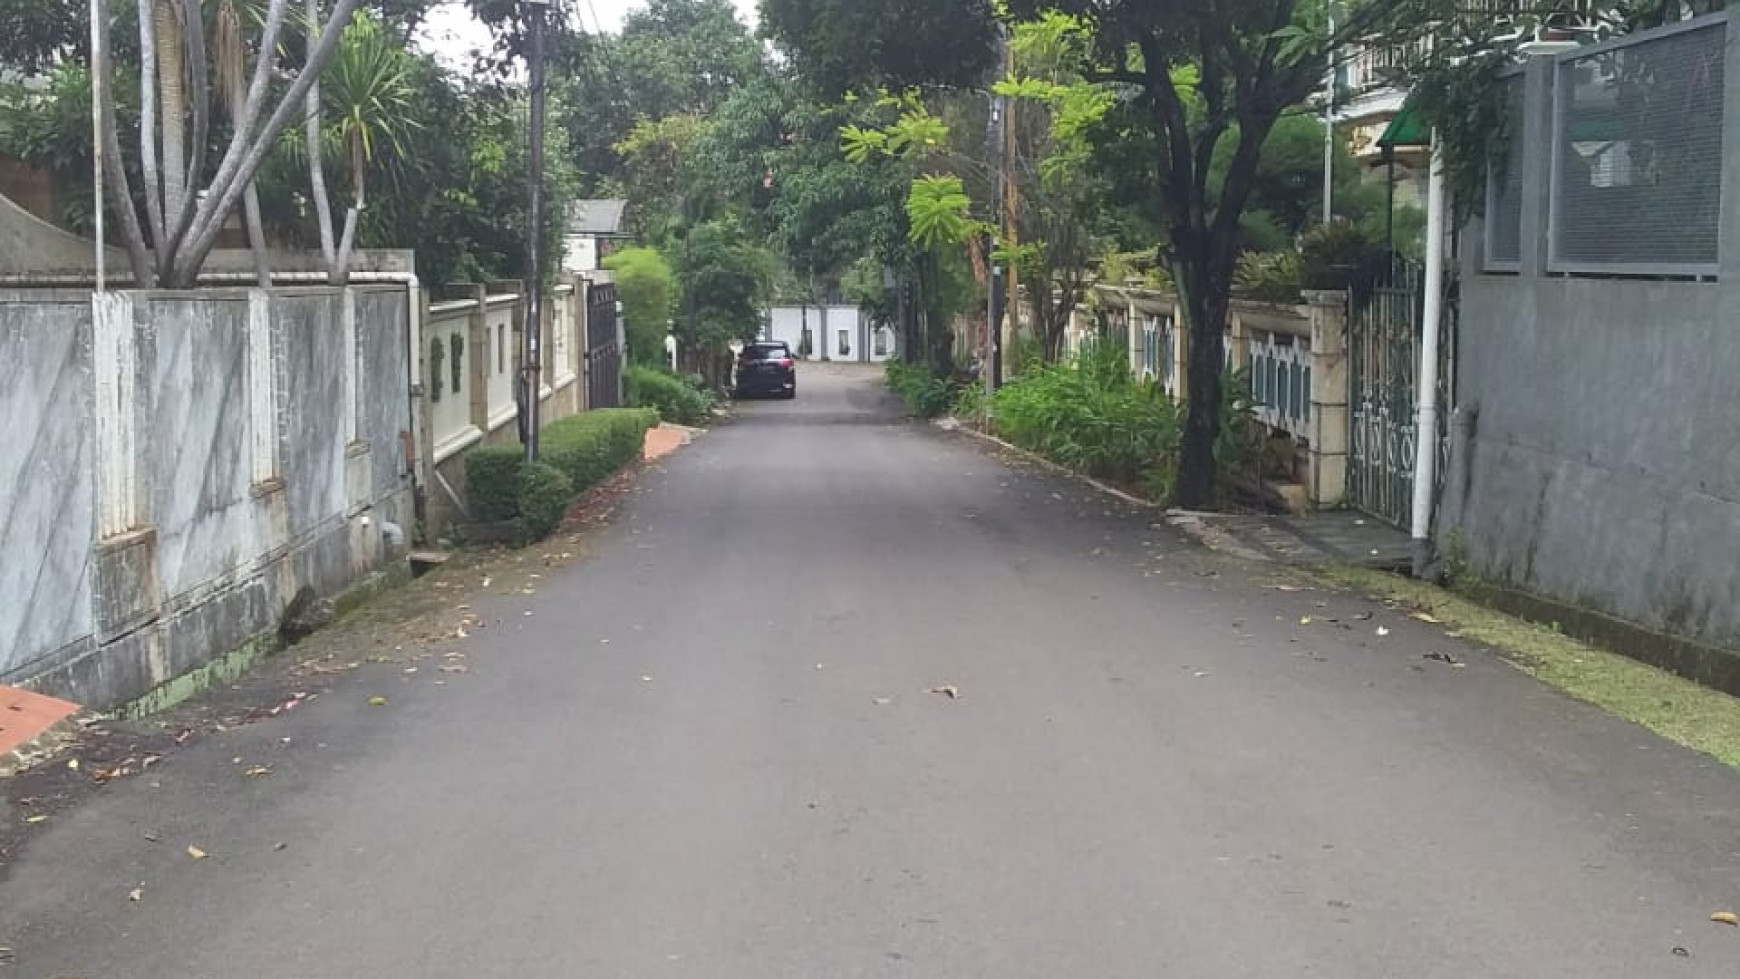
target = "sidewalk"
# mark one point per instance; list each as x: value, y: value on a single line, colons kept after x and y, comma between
x: 1344, y: 537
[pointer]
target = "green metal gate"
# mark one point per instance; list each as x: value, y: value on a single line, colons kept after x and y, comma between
x: 1384, y: 339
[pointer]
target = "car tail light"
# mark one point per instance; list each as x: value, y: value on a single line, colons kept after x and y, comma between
x: 786, y: 362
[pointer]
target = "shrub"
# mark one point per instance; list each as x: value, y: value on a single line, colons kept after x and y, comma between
x: 921, y: 390
x: 1329, y: 255
x: 492, y: 482
x: 1271, y: 277
x: 1092, y: 416
x: 676, y: 399
x: 543, y: 500
x: 589, y: 447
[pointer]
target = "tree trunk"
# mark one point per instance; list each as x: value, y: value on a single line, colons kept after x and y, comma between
x: 115, y: 182
x: 172, y: 91
x: 316, y: 168
x: 1205, y: 305
x: 148, y: 104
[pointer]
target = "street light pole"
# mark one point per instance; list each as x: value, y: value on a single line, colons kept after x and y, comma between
x: 531, y: 370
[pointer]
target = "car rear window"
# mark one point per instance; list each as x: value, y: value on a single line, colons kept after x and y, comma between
x: 766, y: 352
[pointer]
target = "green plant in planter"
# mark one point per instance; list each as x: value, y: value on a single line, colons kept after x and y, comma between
x: 1330, y: 255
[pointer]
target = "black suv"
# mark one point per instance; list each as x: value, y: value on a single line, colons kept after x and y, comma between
x: 767, y: 368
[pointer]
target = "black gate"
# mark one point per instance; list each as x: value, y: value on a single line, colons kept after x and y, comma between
x: 603, y: 349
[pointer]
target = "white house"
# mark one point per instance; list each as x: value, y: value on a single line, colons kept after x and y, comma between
x: 836, y: 333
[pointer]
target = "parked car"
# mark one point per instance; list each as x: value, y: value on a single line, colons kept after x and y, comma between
x: 767, y: 368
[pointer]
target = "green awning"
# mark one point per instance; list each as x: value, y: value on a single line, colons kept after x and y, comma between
x: 1406, y: 129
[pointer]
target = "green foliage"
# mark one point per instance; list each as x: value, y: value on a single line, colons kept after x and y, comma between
x: 921, y: 390
x: 1270, y: 277
x: 647, y: 289
x: 728, y: 276
x: 675, y: 399
x: 492, y: 482
x: 937, y: 211
x: 578, y: 453
x: 543, y: 500
x: 1092, y: 416
x: 1329, y: 254
x: 846, y: 45
x: 590, y: 446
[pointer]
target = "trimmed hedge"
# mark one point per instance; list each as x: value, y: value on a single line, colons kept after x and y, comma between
x: 544, y: 497
x: 579, y: 452
x: 492, y: 482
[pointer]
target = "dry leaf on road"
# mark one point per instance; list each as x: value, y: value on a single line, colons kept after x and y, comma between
x: 377, y: 701
x: 137, y: 893
x: 1726, y: 918
x: 1428, y: 618
x: 196, y: 853
x: 947, y: 691
x: 258, y: 770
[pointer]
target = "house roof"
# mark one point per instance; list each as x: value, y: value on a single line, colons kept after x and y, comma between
x: 596, y: 217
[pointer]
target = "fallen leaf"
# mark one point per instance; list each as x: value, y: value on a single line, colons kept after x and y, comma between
x: 1446, y: 658
x: 196, y: 853
x: 1680, y: 951
x: 1287, y: 588
x: 882, y: 701
x: 377, y: 701
x: 1305, y: 620
x: 1428, y: 618
x: 1382, y: 631
x: 1726, y: 918
x: 73, y: 764
x: 137, y: 893
x: 33, y: 820
x: 456, y: 668
x: 258, y: 770
x: 947, y: 691
x: 280, y: 846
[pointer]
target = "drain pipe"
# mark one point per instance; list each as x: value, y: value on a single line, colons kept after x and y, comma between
x: 1426, y: 418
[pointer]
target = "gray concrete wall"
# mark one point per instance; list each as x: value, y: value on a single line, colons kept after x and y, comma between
x: 180, y: 464
x: 1604, y: 467
x: 47, y: 485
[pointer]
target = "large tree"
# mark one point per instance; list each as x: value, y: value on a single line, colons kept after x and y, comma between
x: 1189, y: 74
x: 842, y: 45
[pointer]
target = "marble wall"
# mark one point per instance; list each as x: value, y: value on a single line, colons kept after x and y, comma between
x: 177, y: 465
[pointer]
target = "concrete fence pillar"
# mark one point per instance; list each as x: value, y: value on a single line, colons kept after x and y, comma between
x: 478, y: 354
x: 115, y: 362
x: 1238, y: 346
x: 1326, y: 480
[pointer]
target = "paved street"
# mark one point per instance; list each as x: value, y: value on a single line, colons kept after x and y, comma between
x: 711, y: 751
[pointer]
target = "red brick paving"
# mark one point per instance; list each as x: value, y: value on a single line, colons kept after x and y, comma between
x: 24, y: 716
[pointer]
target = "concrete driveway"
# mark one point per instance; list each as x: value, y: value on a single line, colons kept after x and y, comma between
x: 712, y: 751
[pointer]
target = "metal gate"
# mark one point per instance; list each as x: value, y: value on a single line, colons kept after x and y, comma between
x: 603, y: 348
x: 1383, y: 341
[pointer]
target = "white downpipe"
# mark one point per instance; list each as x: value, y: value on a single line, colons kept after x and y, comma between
x: 1426, y: 418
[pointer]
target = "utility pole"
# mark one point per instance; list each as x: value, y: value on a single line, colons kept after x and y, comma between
x: 1011, y: 197
x: 532, y: 347
x: 991, y: 367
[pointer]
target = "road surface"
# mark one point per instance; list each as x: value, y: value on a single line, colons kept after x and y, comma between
x: 711, y: 751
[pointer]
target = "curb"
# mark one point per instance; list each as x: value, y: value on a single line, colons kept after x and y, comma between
x: 951, y: 425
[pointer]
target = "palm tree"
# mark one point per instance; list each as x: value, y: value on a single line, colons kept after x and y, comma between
x: 368, y: 92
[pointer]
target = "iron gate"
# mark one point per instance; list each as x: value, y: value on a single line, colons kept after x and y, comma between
x: 603, y: 348
x: 1383, y: 345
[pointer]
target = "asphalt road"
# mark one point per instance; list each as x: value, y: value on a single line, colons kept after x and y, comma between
x: 710, y: 751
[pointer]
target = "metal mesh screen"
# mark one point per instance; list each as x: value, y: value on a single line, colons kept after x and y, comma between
x: 1638, y: 155
x: 1504, y: 188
